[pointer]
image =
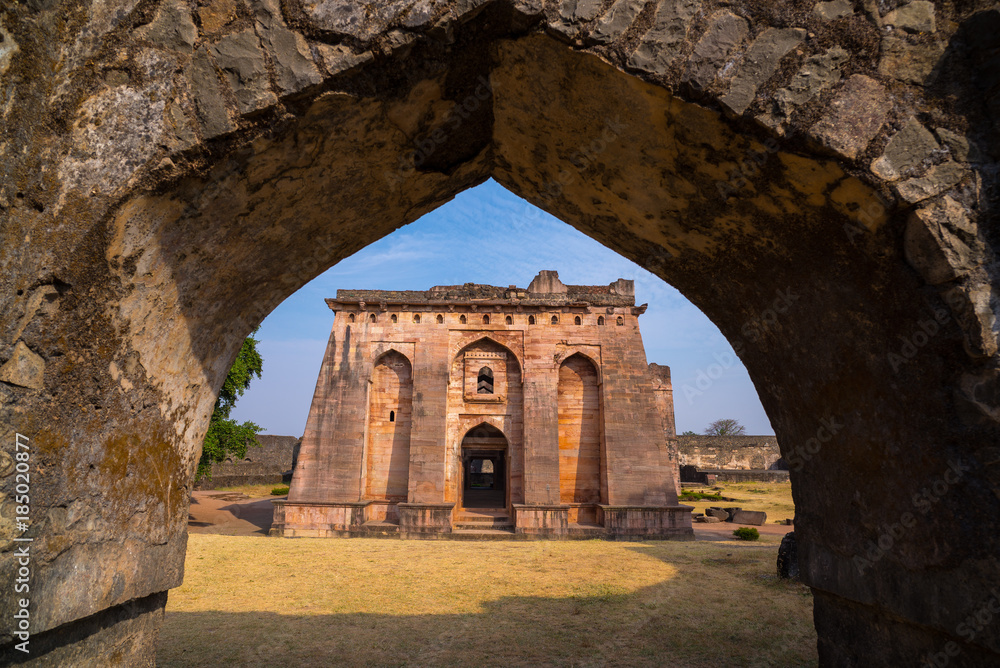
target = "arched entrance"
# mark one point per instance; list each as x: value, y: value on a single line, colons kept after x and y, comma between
x: 484, y: 469
x: 182, y: 182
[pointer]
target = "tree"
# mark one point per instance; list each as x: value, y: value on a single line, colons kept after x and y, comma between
x: 227, y: 437
x: 726, y: 427
x: 689, y: 433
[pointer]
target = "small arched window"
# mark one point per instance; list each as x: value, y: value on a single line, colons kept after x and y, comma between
x: 392, y: 416
x: 509, y: 320
x: 393, y: 318
x: 555, y: 320
x: 486, y: 319
x: 600, y: 320
x: 576, y: 320
x: 485, y: 381
x: 531, y: 320
x: 440, y: 318
x: 350, y: 318
x: 463, y: 319
x: 416, y: 318
x: 621, y: 321
x: 372, y: 317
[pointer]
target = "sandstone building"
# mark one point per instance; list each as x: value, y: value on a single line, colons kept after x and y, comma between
x: 531, y: 410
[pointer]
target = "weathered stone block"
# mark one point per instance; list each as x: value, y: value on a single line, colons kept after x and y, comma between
x: 906, y: 151
x: 912, y: 63
x: 940, y: 243
x: 25, y: 368
x: 726, y: 32
x: 916, y: 17
x: 957, y: 145
x: 819, y: 72
x: 972, y: 308
x: 835, y: 9
x: 616, y: 21
x: 213, y: 116
x: 856, y: 114
x: 759, y: 63
x: 661, y: 45
x: 172, y: 28
x: 718, y: 513
x: 937, y: 179
x: 754, y: 517
x: 293, y: 65
x: 242, y: 61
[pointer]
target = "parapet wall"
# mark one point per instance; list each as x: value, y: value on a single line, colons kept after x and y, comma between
x: 730, y: 452
x: 270, y: 463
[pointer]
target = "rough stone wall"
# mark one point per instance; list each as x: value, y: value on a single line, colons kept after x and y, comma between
x: 729, y: 452
x: 271, y: 462
x: 820, y: 179
x: 664, y: 393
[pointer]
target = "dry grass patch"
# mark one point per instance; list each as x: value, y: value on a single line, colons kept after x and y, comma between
x: 774, y: 498
x: 250, y: 601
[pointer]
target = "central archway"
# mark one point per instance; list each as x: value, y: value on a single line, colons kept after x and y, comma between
x: 484, y: 469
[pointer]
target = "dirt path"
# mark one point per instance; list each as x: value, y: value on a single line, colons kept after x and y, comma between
x: 229, y: 513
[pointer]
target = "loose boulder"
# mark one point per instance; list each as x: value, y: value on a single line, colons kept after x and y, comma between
x: 754, y: 517
x: 788, y: 559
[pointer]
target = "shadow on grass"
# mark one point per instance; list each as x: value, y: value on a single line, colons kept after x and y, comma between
x: 649, y: 627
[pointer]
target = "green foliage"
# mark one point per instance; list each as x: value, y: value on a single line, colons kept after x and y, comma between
x: 747, y: 533
x: 689, y: 433
x: 227, y: 437
x: 279, y: 491
x: 725, y: 427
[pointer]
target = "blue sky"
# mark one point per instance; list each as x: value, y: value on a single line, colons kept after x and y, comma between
x: 489, y: 235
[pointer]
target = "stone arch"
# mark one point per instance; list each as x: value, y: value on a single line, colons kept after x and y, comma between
x: 829, y: 248
x: 580, y: 451
x: 390, y: 407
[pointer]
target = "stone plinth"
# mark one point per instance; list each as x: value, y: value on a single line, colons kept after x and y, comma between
x: 424, y: 520
x: 320, y: 519
x: 640, y: 522
x: 539, y: 520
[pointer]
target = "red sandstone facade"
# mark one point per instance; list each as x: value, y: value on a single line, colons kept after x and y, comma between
x: 480, y: 406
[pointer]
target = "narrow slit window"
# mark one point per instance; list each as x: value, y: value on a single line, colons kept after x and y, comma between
x: 600, y: 320
x: 463, y: 319
x: 440, y: 319
x: 393, y: 318
x: 392, y: 416
x: 555, y: 320
x: 372, y: 317
x: 576, y: 320
x: 509, y: 320
x: 486, y: 319
x: 621, y: 321
x: 416, y: 318
x: 485, y: 381
x: 350, y: 318
x: 531, y: 320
